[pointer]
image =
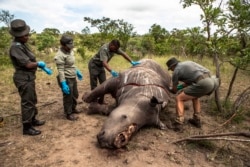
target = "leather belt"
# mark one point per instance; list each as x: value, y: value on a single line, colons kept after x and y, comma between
x: 206, y: 75
x: 97, y: 62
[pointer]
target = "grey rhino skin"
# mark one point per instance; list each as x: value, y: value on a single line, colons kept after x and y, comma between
x: 141, y: 92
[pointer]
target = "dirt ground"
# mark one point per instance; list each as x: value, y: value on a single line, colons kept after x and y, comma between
x: 66, y: 144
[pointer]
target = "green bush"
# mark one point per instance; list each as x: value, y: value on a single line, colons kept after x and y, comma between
x: 81, y: 52
x: 5, y: 62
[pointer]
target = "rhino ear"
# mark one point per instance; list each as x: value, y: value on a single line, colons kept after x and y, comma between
x: 154, y: 101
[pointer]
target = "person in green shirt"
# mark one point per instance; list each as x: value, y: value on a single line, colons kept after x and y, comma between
x: 67, y: 73
x: 99, y: 62
x: 25, y: 64
x: 190, y: 81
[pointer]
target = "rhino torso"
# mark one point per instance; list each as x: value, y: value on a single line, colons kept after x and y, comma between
x: 141, y: 92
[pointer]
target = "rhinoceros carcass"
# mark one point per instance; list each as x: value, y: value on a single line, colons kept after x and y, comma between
x: 141, y: 92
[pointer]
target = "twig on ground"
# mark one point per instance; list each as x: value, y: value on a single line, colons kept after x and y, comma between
x: 5, y: 143
x: 212, y: 138
x: 215, y: 137
x: 43, y: 105
x: 46, y: 104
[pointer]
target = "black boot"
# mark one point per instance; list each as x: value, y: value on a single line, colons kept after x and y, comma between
x: 71, y: 117
x: 36, y: 122
x: 75, y: 111
x: 29, y: 130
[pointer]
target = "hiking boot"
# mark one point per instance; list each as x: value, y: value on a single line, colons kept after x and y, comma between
x: 71, y: 117
x: 177, y: 127
x: 75, y: 111
x: 31, y: 131
x: 195, y: 122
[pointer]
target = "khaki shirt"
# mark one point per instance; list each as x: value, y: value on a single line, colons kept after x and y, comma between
x: 187, y: 72
x: 104, y: 54
x: 65, y: 63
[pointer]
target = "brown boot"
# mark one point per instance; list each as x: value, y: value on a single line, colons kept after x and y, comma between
x: 177, y: 127
x: 195, y: 122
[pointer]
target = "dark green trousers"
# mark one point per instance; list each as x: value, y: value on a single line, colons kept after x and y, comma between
x: 70, y: 101
x: 25, y: 83
x: 96, y: 73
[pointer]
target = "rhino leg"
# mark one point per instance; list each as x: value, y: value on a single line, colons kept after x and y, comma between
x: 96, y: 108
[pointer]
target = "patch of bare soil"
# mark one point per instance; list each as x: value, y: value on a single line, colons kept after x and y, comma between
x: 64, y: 143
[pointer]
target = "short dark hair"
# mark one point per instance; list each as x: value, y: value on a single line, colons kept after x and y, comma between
x: 116, y: 43
x: 66, y: 39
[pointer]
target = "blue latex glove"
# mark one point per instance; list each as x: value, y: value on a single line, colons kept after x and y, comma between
x: 65, y: 87
x: 47, y: 70
x: 134, y: 63
x: 114, y: 73
x: 79, y: 74
x: 179, y: 87
x: 41, y: 64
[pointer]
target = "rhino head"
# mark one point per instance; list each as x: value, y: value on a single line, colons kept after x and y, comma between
x: 127, y: 118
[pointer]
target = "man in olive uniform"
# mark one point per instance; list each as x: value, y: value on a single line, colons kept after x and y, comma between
x: 195, y: 83
x: 25, y: 64
x: 99, y: 63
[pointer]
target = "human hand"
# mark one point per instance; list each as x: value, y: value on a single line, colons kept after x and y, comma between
x: 41, y: 64
x: 179, y: 87
x: 47, y: 70
x: 65, y: 88
x: 134, y: 63
x: 79, y: 75
x: 114, y: 73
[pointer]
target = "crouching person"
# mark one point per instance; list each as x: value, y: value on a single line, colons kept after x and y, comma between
x: 196, y: 82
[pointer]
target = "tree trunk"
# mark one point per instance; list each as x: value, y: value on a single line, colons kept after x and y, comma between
x: 217, y: 93
x: 231, y: 84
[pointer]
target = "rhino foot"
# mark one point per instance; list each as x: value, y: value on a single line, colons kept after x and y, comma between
x: 162, y: 126
x: 85, y: 97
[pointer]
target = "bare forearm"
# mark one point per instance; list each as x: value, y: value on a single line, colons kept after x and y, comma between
x: 106, y: 66
x: 127, y: 58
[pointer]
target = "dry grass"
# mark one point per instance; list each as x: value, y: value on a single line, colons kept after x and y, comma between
x: 150, y: 147
x: 118, y: 64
